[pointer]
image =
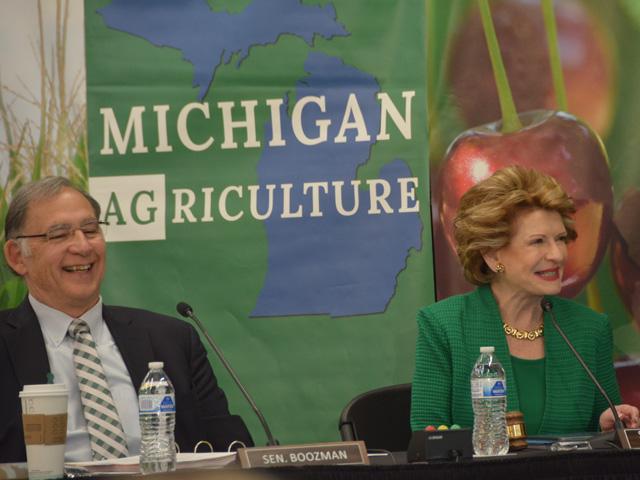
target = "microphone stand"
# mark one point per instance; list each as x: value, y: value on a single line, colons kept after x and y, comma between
x: 186, y: 311
x: 621, y: 437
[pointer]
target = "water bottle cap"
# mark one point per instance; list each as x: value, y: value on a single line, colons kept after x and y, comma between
x: 487, y: 349
x: 156, y: 365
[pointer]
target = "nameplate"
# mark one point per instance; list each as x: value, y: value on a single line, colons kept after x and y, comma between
x: 336, y: 453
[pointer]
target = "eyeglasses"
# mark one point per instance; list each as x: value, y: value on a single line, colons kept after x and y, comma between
x: 61, y: 233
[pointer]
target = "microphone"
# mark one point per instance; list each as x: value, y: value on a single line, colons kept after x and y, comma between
x: 186, y: 311
x: 621, y: 437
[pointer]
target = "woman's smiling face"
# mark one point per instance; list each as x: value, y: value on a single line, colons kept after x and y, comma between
x: 535, y: 256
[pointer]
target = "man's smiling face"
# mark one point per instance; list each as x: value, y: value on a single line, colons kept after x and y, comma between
x: 65, y: 273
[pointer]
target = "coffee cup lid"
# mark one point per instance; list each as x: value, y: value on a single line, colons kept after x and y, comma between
x: 44, y: 390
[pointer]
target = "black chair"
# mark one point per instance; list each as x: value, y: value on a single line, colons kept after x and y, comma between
x: 380, y: 417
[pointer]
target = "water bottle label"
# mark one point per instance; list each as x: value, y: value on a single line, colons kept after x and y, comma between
x: 168, y: 404
x: 157, y: 403
x: 488, y: 387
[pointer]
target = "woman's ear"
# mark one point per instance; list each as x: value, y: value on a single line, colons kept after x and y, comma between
x: 491, y: 258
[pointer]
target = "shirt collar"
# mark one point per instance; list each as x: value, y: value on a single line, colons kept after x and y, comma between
x: 55, y: 324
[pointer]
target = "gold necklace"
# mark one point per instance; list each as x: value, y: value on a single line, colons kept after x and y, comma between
x: 524, y: 334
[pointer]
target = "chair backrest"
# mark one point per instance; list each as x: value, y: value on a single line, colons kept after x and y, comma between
x: 380, y: 417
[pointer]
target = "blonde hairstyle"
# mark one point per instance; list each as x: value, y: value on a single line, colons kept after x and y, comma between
x: 487, y: 209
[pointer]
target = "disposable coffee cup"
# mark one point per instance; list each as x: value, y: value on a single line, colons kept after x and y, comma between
x: 44, y: 419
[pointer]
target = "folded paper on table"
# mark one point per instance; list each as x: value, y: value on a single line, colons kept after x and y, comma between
x: 131, y: 464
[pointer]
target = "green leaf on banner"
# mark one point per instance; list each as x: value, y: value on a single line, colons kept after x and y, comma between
x: 78, y: 171
x: 632, y: 9
x: 12, y: 292
x: 444, y: 122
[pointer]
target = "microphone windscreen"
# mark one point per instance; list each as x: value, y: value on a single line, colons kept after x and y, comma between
x: 184, y: 309
x: 546, y: 304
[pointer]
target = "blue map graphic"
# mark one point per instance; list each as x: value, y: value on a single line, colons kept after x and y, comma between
x: 333, y: 264
x: 208, y: 39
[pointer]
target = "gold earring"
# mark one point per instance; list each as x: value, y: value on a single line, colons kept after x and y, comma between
x: 500, y: 268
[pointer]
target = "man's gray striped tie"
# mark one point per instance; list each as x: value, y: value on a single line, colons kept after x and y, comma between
x: 103, y: 422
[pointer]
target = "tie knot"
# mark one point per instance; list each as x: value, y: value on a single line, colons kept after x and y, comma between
x: 77, y: 328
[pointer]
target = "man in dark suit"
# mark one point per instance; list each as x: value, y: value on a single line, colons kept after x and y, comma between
x: 55, y: 243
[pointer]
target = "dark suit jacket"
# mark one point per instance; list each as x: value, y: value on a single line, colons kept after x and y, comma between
x: 141, y: 337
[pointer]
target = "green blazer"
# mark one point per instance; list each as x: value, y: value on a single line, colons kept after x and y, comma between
x: 450, y: 334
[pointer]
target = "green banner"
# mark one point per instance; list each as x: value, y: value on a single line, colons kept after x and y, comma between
x: 266, y: 162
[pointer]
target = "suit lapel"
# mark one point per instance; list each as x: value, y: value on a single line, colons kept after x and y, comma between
x: 133, y: 342
x: 26, y: 347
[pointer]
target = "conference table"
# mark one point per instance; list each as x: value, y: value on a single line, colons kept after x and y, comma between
x: 528, y: 464
x: 583, y: 464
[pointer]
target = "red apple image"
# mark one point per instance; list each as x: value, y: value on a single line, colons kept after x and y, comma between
x: 585, y: 52
x: 624, y: 252
x: 555, y: 143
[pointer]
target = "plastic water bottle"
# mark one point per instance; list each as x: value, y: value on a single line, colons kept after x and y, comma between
x: 489, y: 397
x: 157, y: 406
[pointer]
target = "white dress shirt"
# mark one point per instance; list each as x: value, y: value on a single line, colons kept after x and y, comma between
x: 54, y: 325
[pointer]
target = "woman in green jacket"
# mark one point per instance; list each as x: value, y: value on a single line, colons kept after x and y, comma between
x: 512, y: 231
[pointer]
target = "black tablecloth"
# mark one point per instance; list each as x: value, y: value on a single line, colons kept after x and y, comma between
x: 592, y: 465
x: 582, y: 464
